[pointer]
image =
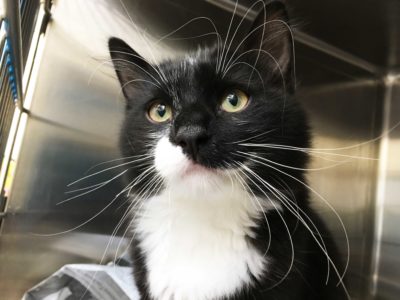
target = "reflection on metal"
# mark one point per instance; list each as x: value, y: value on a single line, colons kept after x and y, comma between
x: 8, y: 97
x: 386, y: 272
x: 381, y: 184
x: 333, y: 51
x: 31, y: 50
x: 29, y: 12
x: 15, y: 19
x: 237, y: 7
x: 75, y: 112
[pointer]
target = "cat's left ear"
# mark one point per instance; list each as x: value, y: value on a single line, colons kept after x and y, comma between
x: 131, y: 68
x: 269, y: 41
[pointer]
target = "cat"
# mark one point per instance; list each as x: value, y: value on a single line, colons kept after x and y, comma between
x: 221, y: 209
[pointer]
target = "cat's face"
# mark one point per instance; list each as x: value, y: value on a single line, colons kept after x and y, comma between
x: 189, y: 120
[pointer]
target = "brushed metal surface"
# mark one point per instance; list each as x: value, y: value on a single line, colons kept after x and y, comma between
x: 343, y: 116
x: 386, y: 262
x: 368, y: 29
x: 77, y: 109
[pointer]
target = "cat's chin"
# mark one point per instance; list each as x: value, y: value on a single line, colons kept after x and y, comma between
x: 195, y: 169
x: 194, y: 177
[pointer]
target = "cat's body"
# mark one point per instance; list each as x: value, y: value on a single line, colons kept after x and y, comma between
x: 221, y: 207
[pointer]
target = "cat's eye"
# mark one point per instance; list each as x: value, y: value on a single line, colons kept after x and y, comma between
x: 234, y: 101
x: 159, y: 112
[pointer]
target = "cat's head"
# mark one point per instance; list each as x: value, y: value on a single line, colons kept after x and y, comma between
x: 194, y: 119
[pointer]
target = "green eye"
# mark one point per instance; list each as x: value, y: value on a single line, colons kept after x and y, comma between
x: 159, y: 112
x: 234, y: 101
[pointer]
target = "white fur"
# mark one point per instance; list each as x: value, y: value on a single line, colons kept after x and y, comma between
x: 193, y: 233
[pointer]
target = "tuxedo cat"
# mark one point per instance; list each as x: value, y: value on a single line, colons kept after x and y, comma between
x: 220, y: 207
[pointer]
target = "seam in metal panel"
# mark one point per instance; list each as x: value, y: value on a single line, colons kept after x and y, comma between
x: 304, y: 38
x: 381, y: 184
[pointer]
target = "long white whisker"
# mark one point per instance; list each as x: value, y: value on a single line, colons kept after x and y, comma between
x: 227, y: 34
x: 149, y: 48
x: 248, y: 189
x: 192, y: 20
x: 290, y: 167
x: 87, y: 187
x: 113, y: 235
x: 193, y: 37
x: 253, y: 137
x: 156, y: 183
x: 341, y: 276
x: 114, y: 160
x: 94, y: 189
x: 84, y: 223
x: 306, y: 150
x: 137, y: 66
x: 251, y: 32
x: 237, y: 28
x: 283, y: 221
x: 139, y: 80
x: 107, y: 169
x: 252, y: 67
x: 289, y: 205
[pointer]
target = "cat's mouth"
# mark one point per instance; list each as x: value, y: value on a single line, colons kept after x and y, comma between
x: 193, y: 168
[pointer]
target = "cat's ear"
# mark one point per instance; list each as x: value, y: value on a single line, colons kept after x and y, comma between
x: 271, y: 34
x: 131, y: 68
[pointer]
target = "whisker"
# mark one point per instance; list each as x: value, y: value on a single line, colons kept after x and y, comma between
x: 94, y: 189
x: 139, y: 80
x: 149, y: 48
x: 113, y: 160
x: 82, y: 224
x: 116, y: 60
x: 227, y: 34
x: 156, y: 183
x: 252, y: 67
x: 290, y: 167
x: 306, y: 150
x: 88, y: 187
x: 283, y: 221
x: 113, y: 235
x: 289, y: 205
x: 247, y: 188
x: 237, y: 28
x: 341, y: 276
x: 254, y: 137
x: 193, y: 37
x: 107, y: 169
x: 189, y: 22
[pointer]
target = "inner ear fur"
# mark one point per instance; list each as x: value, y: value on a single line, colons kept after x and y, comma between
x: 131, y: 68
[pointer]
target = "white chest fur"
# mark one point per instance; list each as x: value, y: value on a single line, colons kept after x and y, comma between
x: 195, y: 246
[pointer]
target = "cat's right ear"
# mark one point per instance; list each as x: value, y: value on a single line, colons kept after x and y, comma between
x: 131, y: 68
x: 270, y: 41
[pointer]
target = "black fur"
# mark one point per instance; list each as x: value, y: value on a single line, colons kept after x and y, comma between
x: 194, y: 91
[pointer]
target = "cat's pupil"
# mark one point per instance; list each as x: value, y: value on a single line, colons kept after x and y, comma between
x: 161, y: 110
x: 233, y: 99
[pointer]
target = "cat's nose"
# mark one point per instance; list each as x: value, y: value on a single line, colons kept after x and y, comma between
x: 191, y: 139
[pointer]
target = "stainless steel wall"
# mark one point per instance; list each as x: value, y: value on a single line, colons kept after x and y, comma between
x: 386, y: 259
x: 76, y: 111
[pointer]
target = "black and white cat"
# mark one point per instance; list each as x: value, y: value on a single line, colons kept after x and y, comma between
x: 221, y: 209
